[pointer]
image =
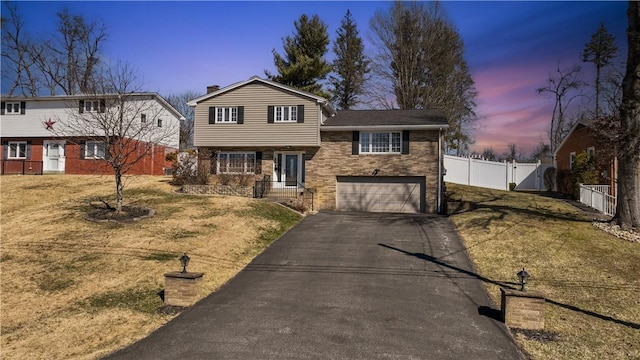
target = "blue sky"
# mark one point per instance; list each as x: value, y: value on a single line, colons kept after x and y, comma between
x: 511, y: 47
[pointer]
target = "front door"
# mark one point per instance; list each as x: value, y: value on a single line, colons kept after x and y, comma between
x: 288, y: 169
x: 53, y: 156
x: 291, y: 170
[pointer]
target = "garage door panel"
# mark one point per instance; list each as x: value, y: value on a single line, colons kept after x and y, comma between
x: 378, y: 194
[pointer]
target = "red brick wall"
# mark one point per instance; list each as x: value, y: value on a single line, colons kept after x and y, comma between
x: 579, y: 141
x: 153, y: 163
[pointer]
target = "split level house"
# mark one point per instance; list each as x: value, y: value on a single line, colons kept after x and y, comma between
x: 583, y: 138
x: 362, y: 160
x: 34, y: 139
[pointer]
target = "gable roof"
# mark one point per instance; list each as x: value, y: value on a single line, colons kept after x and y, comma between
x: 578, y: 125
x: 428, y: 119
x: 154, y: 95
x: 255, y: 79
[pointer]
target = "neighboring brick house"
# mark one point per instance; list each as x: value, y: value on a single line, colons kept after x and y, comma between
x: 31, y: 143
x: 365, y: 160
x: 583, y: 137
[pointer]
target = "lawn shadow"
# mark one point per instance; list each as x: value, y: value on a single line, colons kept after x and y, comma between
x: 511, y: 285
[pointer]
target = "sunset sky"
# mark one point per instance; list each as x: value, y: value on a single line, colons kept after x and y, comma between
x: 511, y: 47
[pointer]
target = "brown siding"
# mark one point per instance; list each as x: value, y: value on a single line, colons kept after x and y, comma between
x: 334, y: 159
x: 256, y: 131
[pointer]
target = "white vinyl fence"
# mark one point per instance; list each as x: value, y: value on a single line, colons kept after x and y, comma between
x: 494, y: 175
x: 597, y: 197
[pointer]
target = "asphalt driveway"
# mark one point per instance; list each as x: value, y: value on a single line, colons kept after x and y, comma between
x: 344, y: 286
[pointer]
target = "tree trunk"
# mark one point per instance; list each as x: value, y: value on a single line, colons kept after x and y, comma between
x: 119, y: 190
x: 628, y: 207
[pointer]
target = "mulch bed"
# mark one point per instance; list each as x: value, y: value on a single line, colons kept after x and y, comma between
x: 129, y: 213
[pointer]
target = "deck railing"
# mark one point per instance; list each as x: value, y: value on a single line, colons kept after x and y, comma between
x: 597, y: 197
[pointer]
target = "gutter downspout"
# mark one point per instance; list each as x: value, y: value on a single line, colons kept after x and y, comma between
x: 439, y: 201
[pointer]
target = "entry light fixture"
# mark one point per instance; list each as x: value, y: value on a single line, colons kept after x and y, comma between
x: 184, y: 261
x: 523, y: 276
x: 375, y: 172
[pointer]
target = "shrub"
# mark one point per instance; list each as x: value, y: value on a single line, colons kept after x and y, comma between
x: 583, y: 172
x: 549, y: 176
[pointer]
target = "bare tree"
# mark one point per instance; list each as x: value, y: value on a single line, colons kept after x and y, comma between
x: 564, y: 89
x: 16, y: 54
x: 419, y: 63
x: 124, y: 124
x: 628, y: 206
x: 179, y: 102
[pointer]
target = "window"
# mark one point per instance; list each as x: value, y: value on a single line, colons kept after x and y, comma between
x: 236, y: 163
x: 226, y: 115
x: 11, y: 108
x: 17, y: 150
x: 572, y: 159
x: 94, y: 150
x: 286, y: 114
x: 159, y: 122
x: 380, y: 142
x: 92, y: 105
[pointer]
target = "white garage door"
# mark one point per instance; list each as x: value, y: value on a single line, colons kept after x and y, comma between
x: 380, y: 194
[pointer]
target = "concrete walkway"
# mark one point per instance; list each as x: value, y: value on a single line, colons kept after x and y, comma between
x: 344, y: 286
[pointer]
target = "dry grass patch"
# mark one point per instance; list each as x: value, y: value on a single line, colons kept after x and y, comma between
x: 76, y: 289
x: 590, y: 278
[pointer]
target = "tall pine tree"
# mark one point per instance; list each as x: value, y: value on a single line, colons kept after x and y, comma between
x: 600, y: 51
x: 350, y: 66
x: 303, y: 65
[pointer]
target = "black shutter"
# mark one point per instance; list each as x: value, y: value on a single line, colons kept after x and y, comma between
x: 28, y: 152
x: 355, y: 143
x: 240, y: 114
x: 212, y: 115
x: 103, y: 105
x: 23, y: 107
x: 82, y: 145
x: 270, y: 115
x: 258, y: 162
x: 300, y: 113
x: 303, y: 161
x: 81, y: 107
x: 5, y: 147
x: 279, y: 168
x: 2, y: 110
x: 405, y: 141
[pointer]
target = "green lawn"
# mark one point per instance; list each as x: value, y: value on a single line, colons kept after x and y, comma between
x: 591, y: 280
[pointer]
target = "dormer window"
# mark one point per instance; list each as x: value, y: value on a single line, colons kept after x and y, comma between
x: 92, y: 106
x: 13, y: 107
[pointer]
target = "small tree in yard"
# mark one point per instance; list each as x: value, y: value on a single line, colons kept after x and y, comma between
x: 124, y: 124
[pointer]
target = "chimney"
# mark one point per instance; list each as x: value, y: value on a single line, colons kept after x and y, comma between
x: 212, y: 88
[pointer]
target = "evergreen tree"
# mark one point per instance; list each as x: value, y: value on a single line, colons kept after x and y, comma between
x: 600, y: 51
x: 350, y: 66
x: 303, y: 65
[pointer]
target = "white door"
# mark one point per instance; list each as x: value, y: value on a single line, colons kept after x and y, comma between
x: 53, y: 156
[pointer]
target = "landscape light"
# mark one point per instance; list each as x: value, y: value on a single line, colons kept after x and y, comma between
x: 523, y: 276
x: 184, y: 260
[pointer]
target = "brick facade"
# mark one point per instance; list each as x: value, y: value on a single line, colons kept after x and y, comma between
x: 578, y: 141
x: 334, y: 158
x: 153, y: 163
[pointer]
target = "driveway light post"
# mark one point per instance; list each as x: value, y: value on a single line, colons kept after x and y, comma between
x: 184, y: 260
x: 523, y: 276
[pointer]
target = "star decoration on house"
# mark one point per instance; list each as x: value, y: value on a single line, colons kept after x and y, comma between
x: 49, y: 124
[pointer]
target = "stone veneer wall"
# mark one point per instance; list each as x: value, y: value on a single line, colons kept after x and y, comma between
x: 334, y: 159
x: 245, y: 191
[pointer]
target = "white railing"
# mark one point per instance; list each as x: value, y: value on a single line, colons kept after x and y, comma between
x: 597, y: 197
x: 493, y: 174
